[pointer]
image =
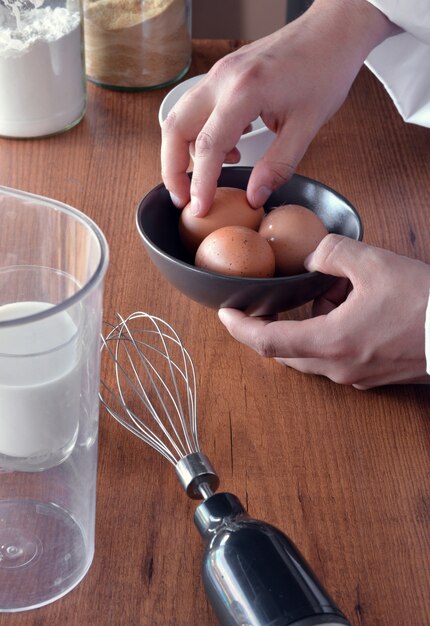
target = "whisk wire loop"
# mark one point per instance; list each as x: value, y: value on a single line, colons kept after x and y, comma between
x: 143, y: 395
x: 133, y: 354
x: 137, y: 428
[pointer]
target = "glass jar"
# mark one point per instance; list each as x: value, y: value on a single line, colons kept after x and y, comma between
x: 42, y: 67
x: 53, y: 260
x: 137, y: 44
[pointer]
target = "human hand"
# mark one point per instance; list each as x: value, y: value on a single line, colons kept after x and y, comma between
x: 367, y: 330
x: 295, y: 79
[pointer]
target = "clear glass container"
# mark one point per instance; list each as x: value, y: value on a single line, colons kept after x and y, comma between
x: 42, y: 67
x: 52, y: 264
x: 137, y: 44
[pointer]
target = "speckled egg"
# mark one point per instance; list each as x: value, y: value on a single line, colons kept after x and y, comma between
x: 229, y: 208
x: 293, y: 231
x: 236, y: 251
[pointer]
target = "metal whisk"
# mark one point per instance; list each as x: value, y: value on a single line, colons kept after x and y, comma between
x: 152, y: 364
x: 252, y: 572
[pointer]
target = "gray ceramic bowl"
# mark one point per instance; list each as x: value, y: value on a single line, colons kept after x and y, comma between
x: 157, y: 222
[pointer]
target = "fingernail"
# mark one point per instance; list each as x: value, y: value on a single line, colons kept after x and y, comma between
x: 223, y: 316
x: 308, y: 262
x: 176, y: 201
x: 261, y: 196
x: 195, y: 205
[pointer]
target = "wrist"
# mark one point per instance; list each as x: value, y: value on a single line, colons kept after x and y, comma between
x: 355, y: 25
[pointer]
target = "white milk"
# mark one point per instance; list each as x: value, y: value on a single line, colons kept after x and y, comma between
x: 40, y: 382
x: 42, y: 75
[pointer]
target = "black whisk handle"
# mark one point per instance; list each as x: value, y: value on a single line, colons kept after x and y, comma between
x: 253, y: 573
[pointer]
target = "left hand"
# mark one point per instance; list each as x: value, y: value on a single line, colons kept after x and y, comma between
x: 366, y: 331
x: 295, y: 79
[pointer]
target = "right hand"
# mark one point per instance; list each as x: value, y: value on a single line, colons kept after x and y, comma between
x: 367, y: 330
x: 295, y: 79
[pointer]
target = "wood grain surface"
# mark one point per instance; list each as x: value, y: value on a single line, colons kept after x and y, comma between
x: 344, y: 473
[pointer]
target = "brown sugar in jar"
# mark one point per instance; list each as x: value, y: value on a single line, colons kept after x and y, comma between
x: 137, y: 44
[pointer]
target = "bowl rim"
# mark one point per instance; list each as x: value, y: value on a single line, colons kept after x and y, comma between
x: 241, y: 279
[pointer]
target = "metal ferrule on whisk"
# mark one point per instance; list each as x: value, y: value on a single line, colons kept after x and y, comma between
x: 197, y: 476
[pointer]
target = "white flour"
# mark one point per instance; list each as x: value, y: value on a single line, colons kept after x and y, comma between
x: 42, y: 75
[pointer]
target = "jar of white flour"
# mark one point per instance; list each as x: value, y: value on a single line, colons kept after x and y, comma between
x: 42, y: 67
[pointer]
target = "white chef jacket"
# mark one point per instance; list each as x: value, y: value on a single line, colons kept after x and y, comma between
x: 402, y: 64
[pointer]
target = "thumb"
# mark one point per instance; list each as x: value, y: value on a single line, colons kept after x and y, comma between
x: 337, y: 255
x: 279, y: 162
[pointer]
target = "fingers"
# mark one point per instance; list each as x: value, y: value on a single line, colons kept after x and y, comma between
x: 280, y: 161
x: 178, y: 133
x: 339, y: 256
x: 313, y: 338
x: 371, y: 336
x: 276, y: 339
x: 211, y: 145
x: 175, y: 158
x: 232, y: 157
x: 210, y: 124
x: 209, y: 120
x: 309, y: 346
x: 215, y: 145
x: 332, y: 298
x: 299, y: 345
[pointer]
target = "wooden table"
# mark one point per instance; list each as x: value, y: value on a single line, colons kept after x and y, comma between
x: 343, y: 472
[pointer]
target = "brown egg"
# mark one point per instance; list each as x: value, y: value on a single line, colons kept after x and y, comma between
x: 293, y: 231
x: 229, y: 208
x: 236, y: 251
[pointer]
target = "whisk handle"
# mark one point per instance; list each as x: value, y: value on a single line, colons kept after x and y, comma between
x: 253, y: 573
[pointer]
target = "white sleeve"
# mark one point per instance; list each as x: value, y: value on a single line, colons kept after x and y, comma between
x: 428, y: 336
x: 402, y: 62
